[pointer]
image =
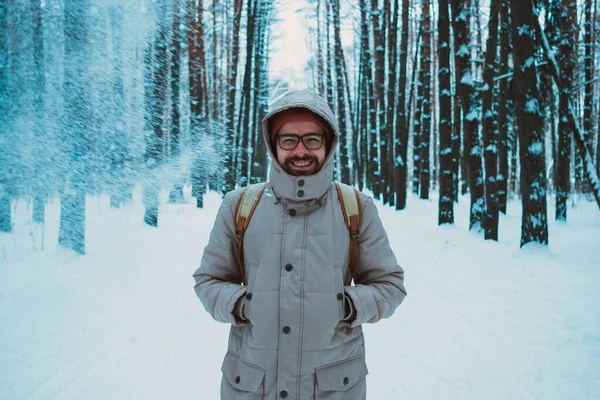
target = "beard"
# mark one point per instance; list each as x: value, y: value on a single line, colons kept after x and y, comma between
x: 312, y: 168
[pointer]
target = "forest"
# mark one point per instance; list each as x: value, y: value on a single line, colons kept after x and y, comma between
x: 485, y: 101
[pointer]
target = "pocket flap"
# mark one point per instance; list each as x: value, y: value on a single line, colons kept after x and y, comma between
x: 342, y: 375
x: 241, y: 374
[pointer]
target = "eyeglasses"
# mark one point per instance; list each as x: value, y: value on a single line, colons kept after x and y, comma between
x: 312, y: 141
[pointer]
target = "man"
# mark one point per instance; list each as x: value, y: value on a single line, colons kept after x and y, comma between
x: 296, y: 322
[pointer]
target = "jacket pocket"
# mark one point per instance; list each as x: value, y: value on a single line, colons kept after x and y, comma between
x: 241, y: 380
x: 342, y: 380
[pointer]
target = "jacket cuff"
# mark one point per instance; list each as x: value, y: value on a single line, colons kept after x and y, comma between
x: 348, y: 306
x: 238, y: 310
x: 232, y: 304
x: 361, y: 313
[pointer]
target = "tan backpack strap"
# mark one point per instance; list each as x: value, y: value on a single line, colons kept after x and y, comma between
x: 350, y: 202
x: 243, y: 213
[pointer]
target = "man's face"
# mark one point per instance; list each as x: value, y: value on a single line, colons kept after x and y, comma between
x: 301, y: 161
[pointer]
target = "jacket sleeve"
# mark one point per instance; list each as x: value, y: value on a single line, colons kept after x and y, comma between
x: 218, y: 277
x: 379, y: 281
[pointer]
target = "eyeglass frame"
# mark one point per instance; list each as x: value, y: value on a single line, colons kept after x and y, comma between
x: 301, y: 139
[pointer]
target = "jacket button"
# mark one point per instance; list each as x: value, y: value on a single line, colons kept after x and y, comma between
x: 283, y: 394
x: 301, y: 182
x: 286, y: 329
x: 300, y: 193
x: 346, y: 380
x: 289, y: 267
x: 292, y: 212
x: 248, y: 296
x: 339, y: 296
x: 237, y: 379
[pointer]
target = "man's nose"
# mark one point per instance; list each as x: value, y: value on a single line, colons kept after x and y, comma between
x: 300, y: 149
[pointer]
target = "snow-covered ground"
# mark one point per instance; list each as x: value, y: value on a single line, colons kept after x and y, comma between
x: 483, y: 320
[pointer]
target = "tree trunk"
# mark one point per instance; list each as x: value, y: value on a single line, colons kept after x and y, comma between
x: 379, y: 93
x: 176, y: 194
x: 425, y: 88
x: 342, y: 101
x: 490, y: 139
x: 401, y: 165
x: 588, y: 88
x: 417, y: 132
x: 76, y: 91
x: 5, y: 209
x: 568, y: 61
x: 589, y: 170
x: 197, y: 94
x: 261, y: 91
x: 503, y: 126
x: 446, y: 205
x: 40, y: 186
x: 392, y: 103
x: 244, y: 126
x: 154, y: 155
x: 466, y: 92
x: 534, y: 226
x: 231, y: 88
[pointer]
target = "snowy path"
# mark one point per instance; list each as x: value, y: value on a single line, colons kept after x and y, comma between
x: 482, y: 320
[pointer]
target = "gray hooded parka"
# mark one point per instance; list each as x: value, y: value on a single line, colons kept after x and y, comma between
x: 295, y: 342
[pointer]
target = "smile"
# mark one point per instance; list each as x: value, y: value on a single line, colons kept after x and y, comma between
x: 301, y: 164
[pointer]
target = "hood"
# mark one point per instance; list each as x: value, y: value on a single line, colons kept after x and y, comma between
x: 310, y: 187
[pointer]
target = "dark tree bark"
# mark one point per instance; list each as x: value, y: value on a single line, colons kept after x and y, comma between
x: 589, y: 170
x: 244, y: 127
x: 261, y: 94
x: 466, y: 92
x: 446, y: 204
x: 490, y: 139
x: 76, y: 93
x: 40, y: 187
x: 154, y: 155
x: 417, y: 133
x: 588, y: 89
x: 400, y: 172
x: 373, y: 177
x: 379, y: 184
x: 568, y: 61
x: 341, y: 97
x: 5, y: 209
x: 230, y: 176
x: 392, y: 102
x: 534, y: 226
x: 198, y: 94
x: 197, y: 62
x: 176, y: 194
x: 362, y: 126
x: 503, y: 148
x: 118, y: 156
x: 424, y: 142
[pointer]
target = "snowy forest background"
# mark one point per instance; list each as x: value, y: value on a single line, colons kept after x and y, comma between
x: 498, y: 99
